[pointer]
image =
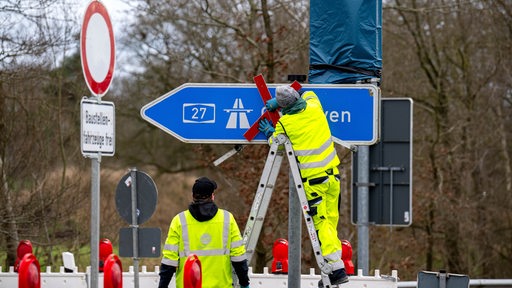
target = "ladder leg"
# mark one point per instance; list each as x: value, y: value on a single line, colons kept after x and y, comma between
x: 325, y: 268
x: 262, y: 200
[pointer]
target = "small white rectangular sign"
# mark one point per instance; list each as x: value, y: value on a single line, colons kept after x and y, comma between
x: 97, y: 127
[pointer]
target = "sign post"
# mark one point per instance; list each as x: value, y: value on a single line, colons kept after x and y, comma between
x: 136, y: 198
x: 97, y: 53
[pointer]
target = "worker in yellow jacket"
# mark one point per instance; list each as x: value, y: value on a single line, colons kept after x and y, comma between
x: 304, y: 123
x: 210, y: 233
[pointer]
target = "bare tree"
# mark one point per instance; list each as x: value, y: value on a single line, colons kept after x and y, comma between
x: 450, y: 56
x: 217, y: 41
x: 453, y: 57
x: 224, y: 40
x: 37, y: 121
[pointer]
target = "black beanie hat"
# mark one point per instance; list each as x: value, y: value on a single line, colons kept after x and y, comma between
x: 203, y: 188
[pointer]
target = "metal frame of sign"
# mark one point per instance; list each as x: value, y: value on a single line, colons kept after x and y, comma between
x: 388, y: 171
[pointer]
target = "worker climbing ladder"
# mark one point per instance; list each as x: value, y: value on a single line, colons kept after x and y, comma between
x: 262, y: 200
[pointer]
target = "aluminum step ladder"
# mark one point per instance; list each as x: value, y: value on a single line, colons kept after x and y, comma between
x: 262, y: 200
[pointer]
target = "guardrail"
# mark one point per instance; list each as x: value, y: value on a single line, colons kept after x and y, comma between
x: 481, y: 283
x: 148, y: 279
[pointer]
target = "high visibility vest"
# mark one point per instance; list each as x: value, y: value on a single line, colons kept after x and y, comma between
x: 310, y: 136
x: 216, y: 242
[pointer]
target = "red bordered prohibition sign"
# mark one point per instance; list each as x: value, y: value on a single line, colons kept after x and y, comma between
x: 97, y: 48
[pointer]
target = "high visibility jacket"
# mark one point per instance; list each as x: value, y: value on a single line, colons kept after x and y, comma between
x: 216, y: 242
x: 310, y: 136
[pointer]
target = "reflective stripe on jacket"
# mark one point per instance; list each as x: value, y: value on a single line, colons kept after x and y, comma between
x: 310, y: 136
x: 216, y: 242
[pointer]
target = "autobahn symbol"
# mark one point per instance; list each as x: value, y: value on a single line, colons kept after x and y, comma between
x: 238, y: 116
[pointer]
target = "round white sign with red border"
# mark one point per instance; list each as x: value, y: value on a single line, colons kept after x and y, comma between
x: 97, y: 48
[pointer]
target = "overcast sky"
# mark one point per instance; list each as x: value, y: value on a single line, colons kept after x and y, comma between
x: 116, y: 10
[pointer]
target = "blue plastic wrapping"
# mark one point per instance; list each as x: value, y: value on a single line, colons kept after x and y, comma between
x: 345, y: 41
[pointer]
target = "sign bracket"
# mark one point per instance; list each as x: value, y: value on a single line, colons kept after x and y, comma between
x: 237, y: 148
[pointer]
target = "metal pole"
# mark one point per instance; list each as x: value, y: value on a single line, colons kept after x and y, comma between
x: 442, y: 279
x: 95, y: 219
x: 294, y: 222
x: 135, y: 226
x: 294, y: 235
x: 391, y: 199
x: 363, y: 172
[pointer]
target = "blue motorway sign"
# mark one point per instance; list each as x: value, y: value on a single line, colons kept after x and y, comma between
x: 222, y: 113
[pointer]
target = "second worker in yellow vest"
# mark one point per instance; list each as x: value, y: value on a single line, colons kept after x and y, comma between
x: 304, y: 123
x: 210, y: 233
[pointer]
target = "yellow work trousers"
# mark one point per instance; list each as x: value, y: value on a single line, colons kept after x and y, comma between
x: 323, y: 193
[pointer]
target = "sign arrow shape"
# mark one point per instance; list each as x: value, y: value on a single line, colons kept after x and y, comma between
x: 221, y: 113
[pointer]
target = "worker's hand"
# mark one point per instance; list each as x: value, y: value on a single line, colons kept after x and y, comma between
x: 266, y: 127
x: 272, y: 105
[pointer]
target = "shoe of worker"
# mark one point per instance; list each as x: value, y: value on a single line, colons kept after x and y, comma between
x: 337, y: 277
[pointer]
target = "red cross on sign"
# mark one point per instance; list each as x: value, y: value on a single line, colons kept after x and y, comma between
x: 265, y: 96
